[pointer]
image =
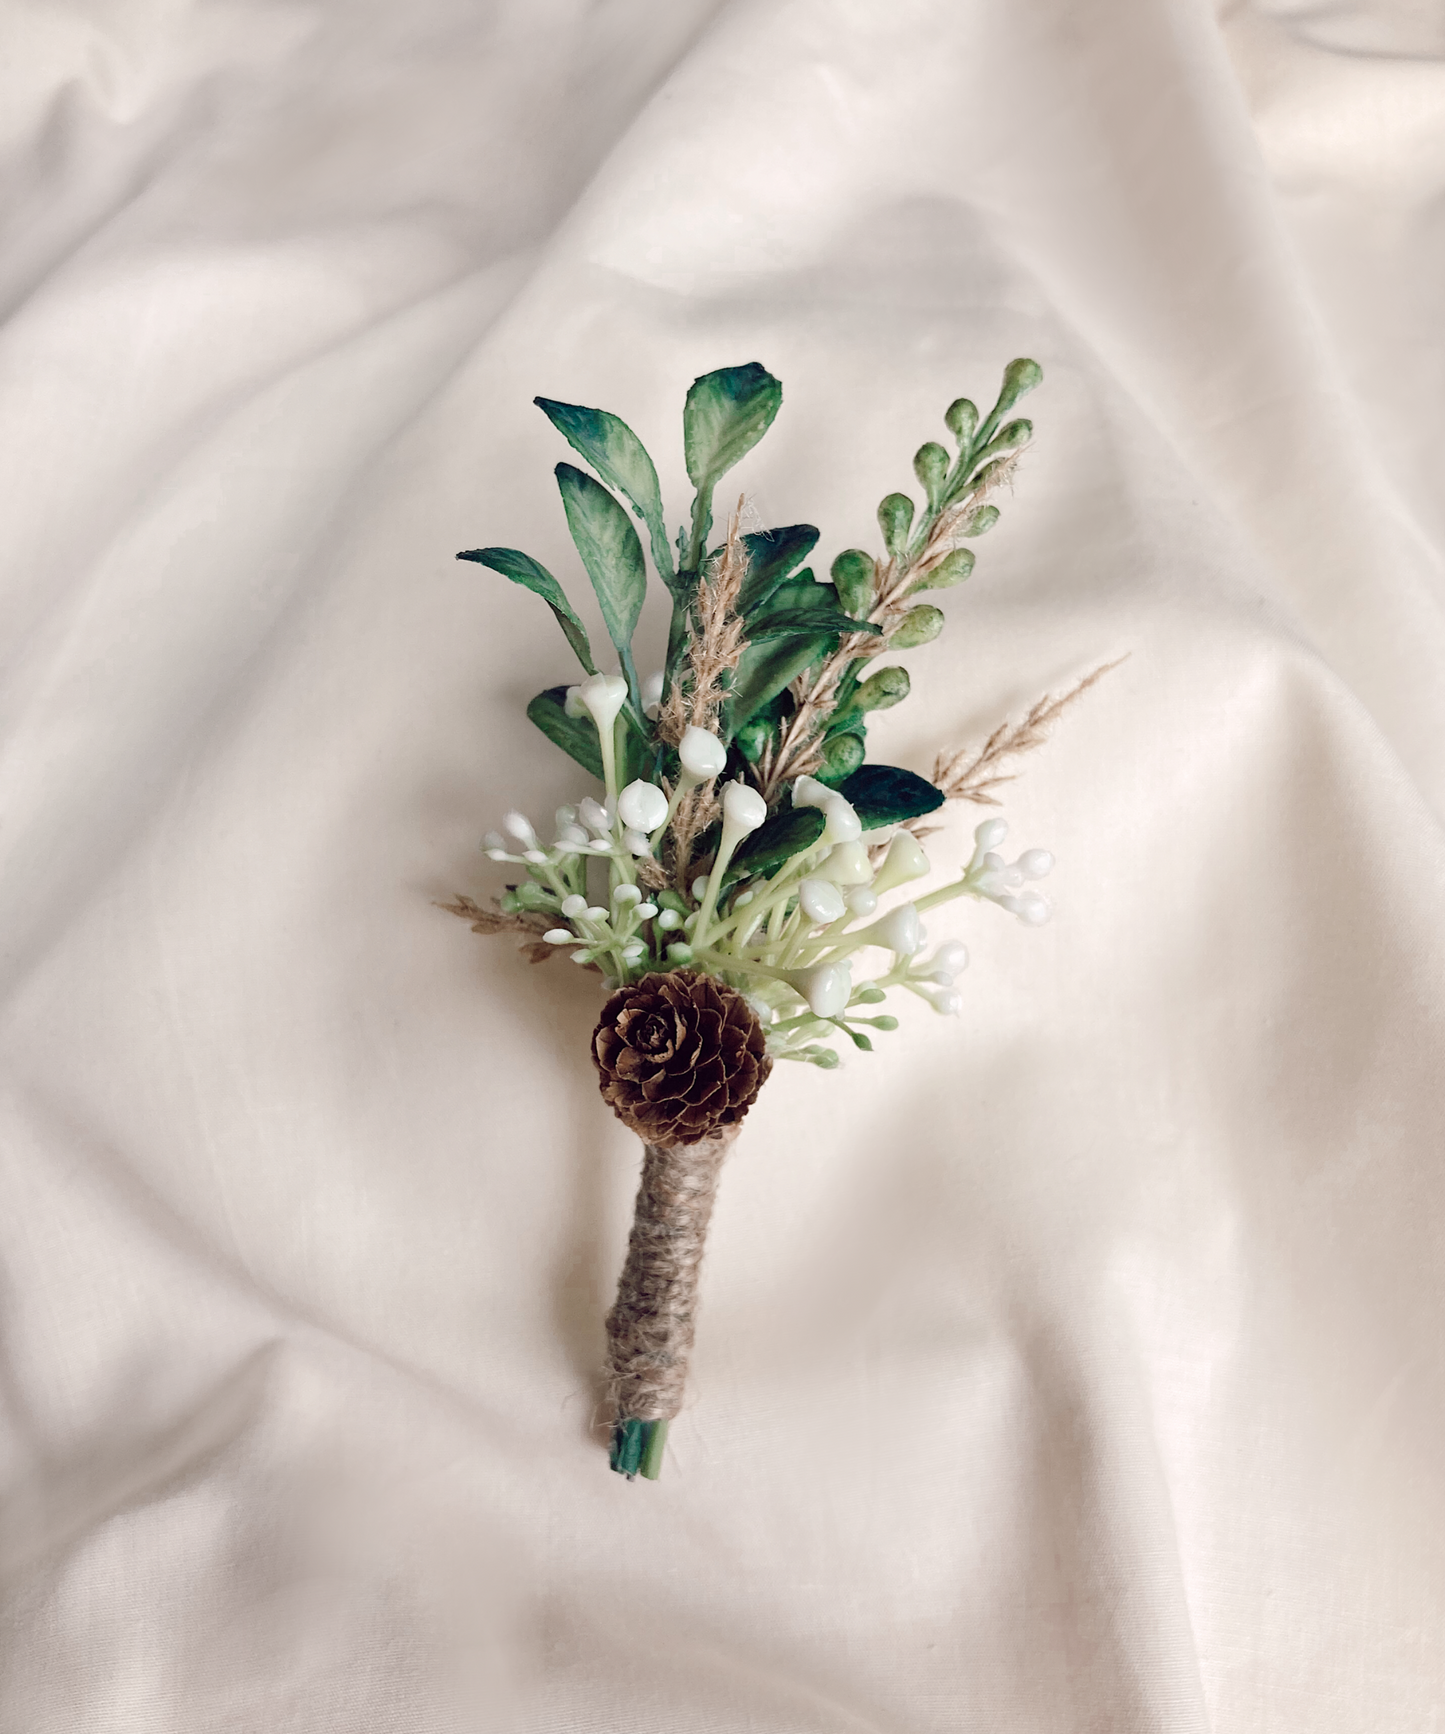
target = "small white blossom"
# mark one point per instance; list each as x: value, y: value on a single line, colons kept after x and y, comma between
x: 518, y: 825
x: 652, y: 694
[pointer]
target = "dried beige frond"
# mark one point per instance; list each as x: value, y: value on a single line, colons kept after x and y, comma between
x: 965, y: 775
x: 715, y: 643
x: 526, y: 923
x: 715, y: 640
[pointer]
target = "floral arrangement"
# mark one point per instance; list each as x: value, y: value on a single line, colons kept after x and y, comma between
x: 734, y: 869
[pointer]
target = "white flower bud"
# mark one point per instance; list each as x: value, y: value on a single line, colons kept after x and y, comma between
x: 952, y: 955
x: 809, y: 792
x: 595, y: 817
x: 566, y: 816
x: 703, y: 755
x: 645, y: 911
x: 679, y: 953
x: 905, y: 860
x: 699, y: 887
x: 633, y: 950
x: 573, y: 704
x: 827, y: 988
x: 846, y: 864
x: 862, y: 899
x: 604, y: 695
x: 991, y: 833
x: 843, y: 824
x: 652, y: 694
x: 494, y: 840
x: 638, y: 842
x: 898, y: 930
x: 625, y: 894
x: 559, y: 936
x: 1036, y: 863
x: 596, y: 912
x: 744, y: 809
x: 498, y: 855
x: 571, y: 834
x: 518, y: 825
x: 642, y: 806
x: 574, y: 906
x: 822, y: 903
x: 535, y: 856
x: 669, y: 919
x: 949, y: 1003
x: 1033, y: 909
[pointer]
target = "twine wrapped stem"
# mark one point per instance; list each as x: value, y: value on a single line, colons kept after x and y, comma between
x: 650, y: 1328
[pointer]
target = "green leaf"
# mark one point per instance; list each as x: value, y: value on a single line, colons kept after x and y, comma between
x: 726, y: 414
x: 887, y: 795
x: 766, y: 668
x: 611, y: 553
x: 575, y: 735
x: 621, y: 459
x: 801, y: 604
x: 532, y: 575
x: 772, y: 555
x: 776, y: 840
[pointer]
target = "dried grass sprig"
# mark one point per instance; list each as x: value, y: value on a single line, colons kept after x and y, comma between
x: 528, y: 923
x: 971, y: 775
x: 716, y: 639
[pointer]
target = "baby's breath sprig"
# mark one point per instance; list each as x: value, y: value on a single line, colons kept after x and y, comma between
x: 737, y: 859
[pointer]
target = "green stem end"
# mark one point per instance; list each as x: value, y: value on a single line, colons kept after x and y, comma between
x: 637, y: 1448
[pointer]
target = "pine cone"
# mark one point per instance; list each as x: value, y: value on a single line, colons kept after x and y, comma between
x: 679, y: 1057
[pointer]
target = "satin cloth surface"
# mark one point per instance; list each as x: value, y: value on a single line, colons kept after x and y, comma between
x: 1071, y: 1365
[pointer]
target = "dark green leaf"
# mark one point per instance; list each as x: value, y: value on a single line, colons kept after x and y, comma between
x: 776, y: 840
x: 766, y: 668
x: 887, y: 795
x: 532, y: 575
x: 610, y: 551
x: 621, y: 459
x: 772, y: 555
x: 726, y: 414
x: 800, y: 604
x: 575, y: 735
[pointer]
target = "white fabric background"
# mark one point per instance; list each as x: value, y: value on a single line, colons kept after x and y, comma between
x: 1073, y: 1366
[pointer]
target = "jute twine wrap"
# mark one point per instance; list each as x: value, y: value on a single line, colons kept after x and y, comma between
x: 650, y: 1328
